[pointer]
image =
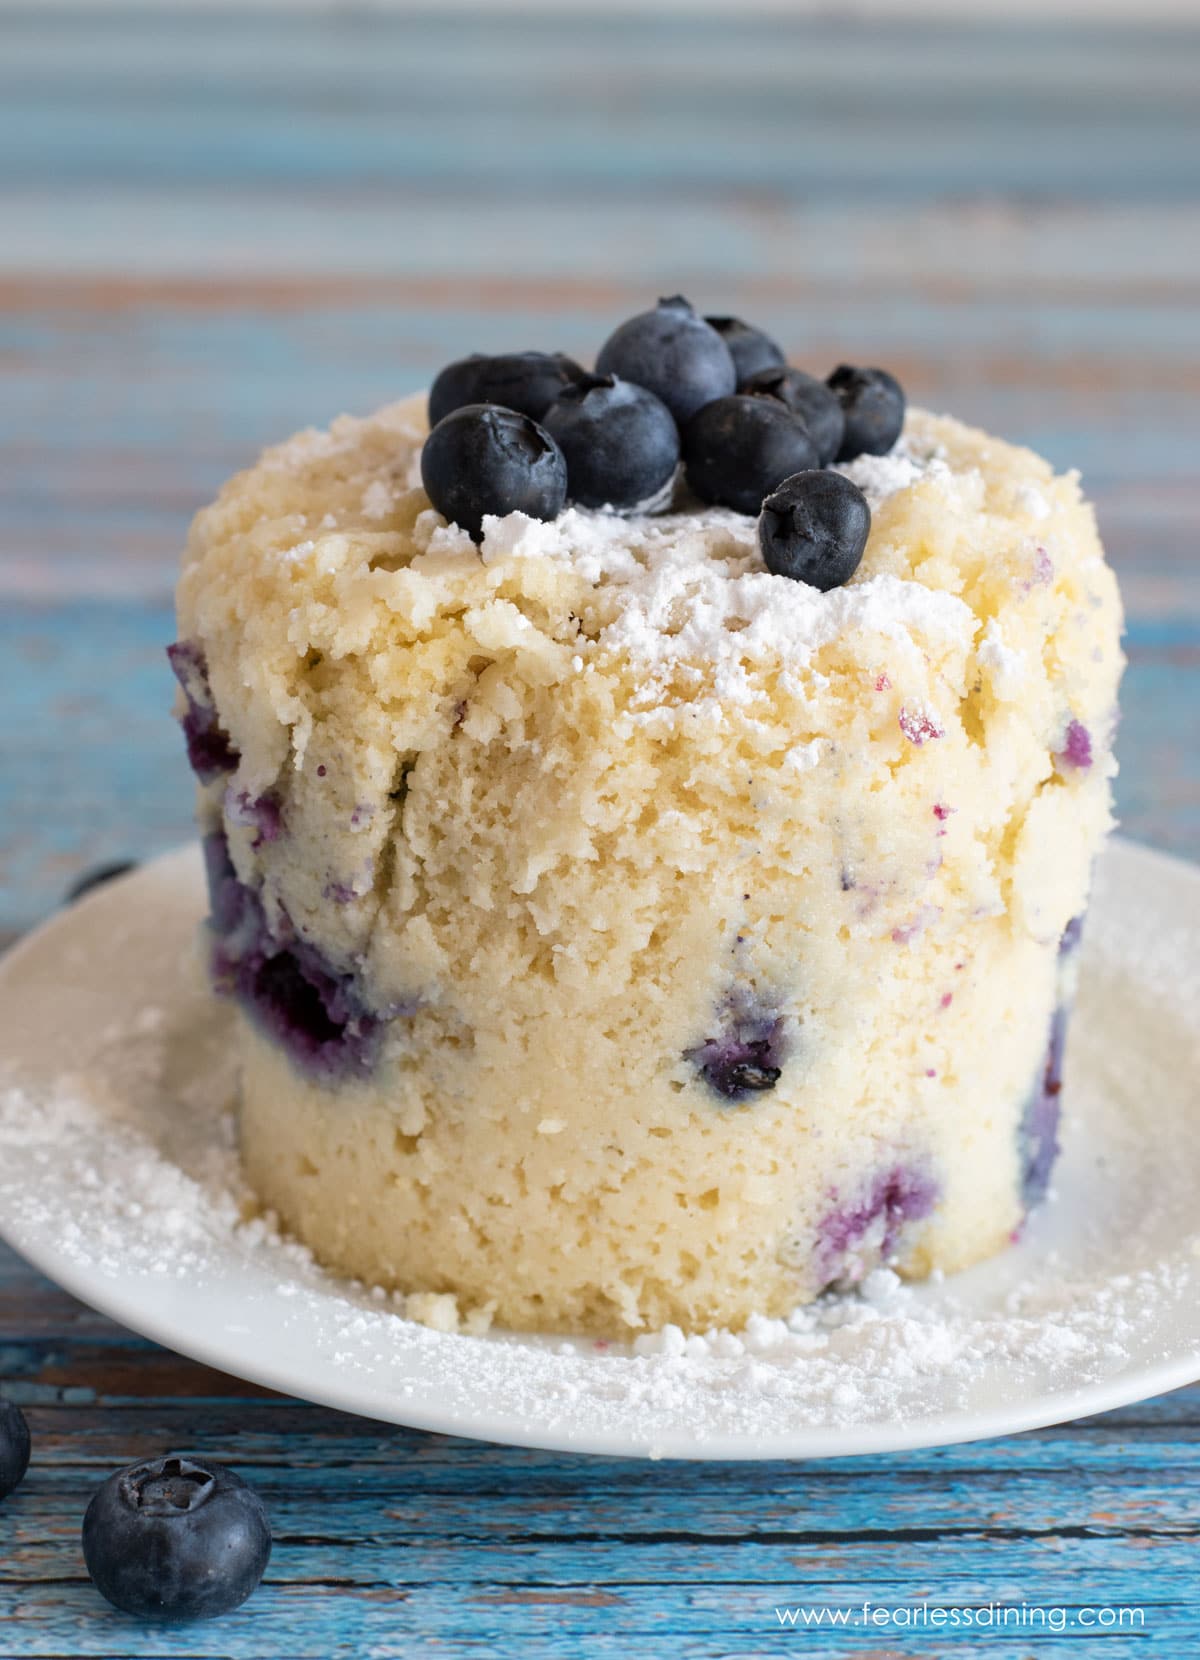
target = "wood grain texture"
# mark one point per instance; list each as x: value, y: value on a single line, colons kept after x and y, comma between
x: 393, y: 1543
x: 219, y: 226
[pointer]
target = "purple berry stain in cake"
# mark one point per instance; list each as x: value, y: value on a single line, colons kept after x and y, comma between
x: 747, y: 1055
x: 289, y: 988
x: 1038, y: 1133
x: 1077, y: 746
x: 1072, y: 935
x: 1043, y: 569
x: 209, y: 750
x: 912, y: 930
x: 919, y: 726
x: 262, y: 814
x: 854, y: 1235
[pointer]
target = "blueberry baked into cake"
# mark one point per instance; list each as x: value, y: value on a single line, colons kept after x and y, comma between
x: 648, y: 817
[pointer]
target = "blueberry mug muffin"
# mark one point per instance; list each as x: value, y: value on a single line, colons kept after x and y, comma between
x: 648, y: 815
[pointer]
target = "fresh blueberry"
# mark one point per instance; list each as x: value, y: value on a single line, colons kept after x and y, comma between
x: 528, y: 382
x: 814, y: 529
x: 749, y: 347
x: 807, y: 397
x: 484, y: 459
x: 174, y: 1539
x: 14, y: 1448
x: 873, y: 404
x: 738, y: 449
x: 672, y: 353
x: 620, y: 441
x: 96, y: 878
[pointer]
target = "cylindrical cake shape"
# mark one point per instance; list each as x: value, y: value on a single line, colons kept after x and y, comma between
x: 622, y: 934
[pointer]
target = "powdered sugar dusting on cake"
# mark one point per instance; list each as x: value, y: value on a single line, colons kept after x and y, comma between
x: 688, y: 587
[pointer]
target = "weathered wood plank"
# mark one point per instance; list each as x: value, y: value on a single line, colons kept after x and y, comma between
x: 511, y: 104
x: 391, y: 1542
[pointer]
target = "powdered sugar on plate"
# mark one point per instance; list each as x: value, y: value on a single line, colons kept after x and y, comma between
x: 119, y: 1175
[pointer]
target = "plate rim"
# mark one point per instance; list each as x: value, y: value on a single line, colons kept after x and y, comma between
x: 116, y: 1300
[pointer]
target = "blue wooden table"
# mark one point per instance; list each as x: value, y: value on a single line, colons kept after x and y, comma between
x: 219, y: 226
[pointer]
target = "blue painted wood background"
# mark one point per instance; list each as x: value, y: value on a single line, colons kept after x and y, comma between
x: 216, y: 226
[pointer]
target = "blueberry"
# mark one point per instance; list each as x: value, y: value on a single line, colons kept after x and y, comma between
x: 288, y: 988
x: 738, y: 449
x: 873, y: 404
x: 672, y: 353
x: 620, y: 441
x: 261, y: 813
x: 174, y: 1539
x: 485, y: 459
x: 749, y: 347
x: 745, y: 1059
x: 528, y: 382
x: 807, y: 397
x: 1077, y: 746
x: 14, y: 1448
x: 814, y: 529
x: 96, y: 878
x: 209, y: 749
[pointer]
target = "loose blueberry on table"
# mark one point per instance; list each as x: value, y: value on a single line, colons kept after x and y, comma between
x: 531, y: 432
x: 175, y: 1539
x: 14, y: 1448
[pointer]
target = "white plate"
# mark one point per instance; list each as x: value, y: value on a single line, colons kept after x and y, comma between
x: 117, y: 1179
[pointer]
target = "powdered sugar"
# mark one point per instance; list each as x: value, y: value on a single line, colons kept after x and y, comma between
x: 880, y: 476
x: 118, y: 1169
x: 1006, y: 664
x: 688, y: 588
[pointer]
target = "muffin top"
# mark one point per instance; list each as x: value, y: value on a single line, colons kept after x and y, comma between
x: 328, y: 549
x: 377, y: 683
